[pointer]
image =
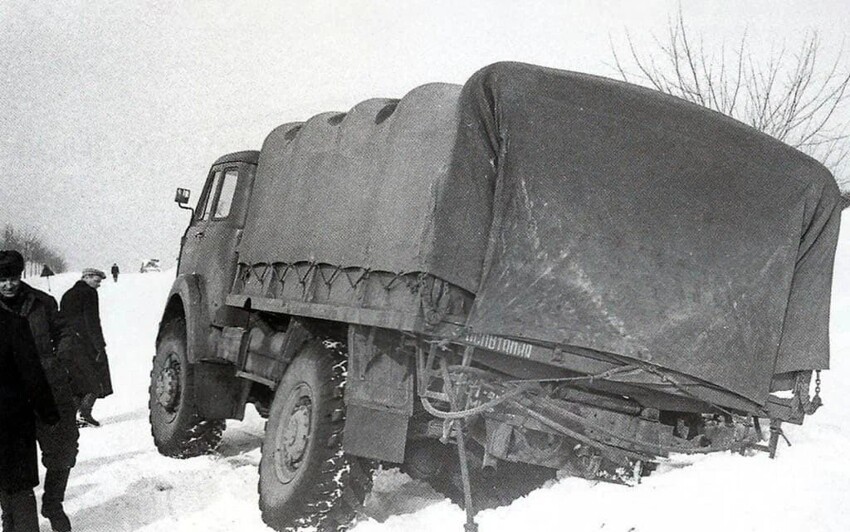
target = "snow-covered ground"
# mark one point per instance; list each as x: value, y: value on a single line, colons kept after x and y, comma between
x: 121, y: 483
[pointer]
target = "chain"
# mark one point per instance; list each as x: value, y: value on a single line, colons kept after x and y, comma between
x: 809, y: 405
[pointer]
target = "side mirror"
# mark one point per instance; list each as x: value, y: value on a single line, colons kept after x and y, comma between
x: 182, y: 196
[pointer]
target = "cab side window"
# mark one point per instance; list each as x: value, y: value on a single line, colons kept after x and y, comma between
x: 209, y: 195
x: 225, y: 197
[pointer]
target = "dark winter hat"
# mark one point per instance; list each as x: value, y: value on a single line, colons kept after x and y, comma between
x: 11, y: 263
x: 94, y: 273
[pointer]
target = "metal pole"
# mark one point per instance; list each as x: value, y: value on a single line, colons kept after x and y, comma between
x: 470, y: 525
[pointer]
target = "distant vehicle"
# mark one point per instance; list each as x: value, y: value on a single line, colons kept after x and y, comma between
x: 538, y: 272
x: 151, y: 265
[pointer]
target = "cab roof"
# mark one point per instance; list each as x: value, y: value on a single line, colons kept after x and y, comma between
x: 248, y: 156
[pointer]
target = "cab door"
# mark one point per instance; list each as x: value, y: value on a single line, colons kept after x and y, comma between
x: 209, y: 248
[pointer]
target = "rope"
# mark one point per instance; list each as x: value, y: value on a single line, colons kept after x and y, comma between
x: 328, y: 280
x: 528, y: 405
x: 600, y: 376
x: 255, y: 267
x: 281, y: 275
x: 363, y: 273
x: 303, y: 280
x: 666, y: 378
x: 460, y: 414
x: 395, y: 278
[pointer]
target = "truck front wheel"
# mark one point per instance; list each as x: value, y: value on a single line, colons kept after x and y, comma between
x: 305, y: 479
x: 178, y: 431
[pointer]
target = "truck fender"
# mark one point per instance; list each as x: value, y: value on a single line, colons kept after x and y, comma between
x: 218, y: 393
x: 186, y: 298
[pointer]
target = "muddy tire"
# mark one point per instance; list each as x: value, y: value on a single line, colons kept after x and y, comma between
x: 178, y: 431
x: 305, y: 479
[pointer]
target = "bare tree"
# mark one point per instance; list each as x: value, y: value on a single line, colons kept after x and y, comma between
x: 792, y: 96
x: 36, y: 253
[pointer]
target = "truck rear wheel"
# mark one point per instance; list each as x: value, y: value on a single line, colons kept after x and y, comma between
x: 305, y: 479
x: 177, y: 428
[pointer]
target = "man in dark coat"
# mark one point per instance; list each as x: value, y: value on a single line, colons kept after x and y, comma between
x: 115, y: 271
x: 86, y: 350
x: 24, y: 392
x: 58, y: 443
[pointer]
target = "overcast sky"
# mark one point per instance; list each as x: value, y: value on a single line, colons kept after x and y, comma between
x: 107, y: 107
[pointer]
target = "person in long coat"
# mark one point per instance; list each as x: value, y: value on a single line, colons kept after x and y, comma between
x: 58, y: 443
x: 86, y: 349
x: 24, y: 393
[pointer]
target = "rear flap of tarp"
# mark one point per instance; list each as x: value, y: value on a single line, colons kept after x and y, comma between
x: 634, y: 223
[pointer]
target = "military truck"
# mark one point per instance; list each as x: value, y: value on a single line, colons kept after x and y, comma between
x: 537, y: 271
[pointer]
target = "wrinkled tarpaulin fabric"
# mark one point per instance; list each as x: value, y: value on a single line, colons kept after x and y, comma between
x: 581, y: 210
x: 358, y: 190
x: 630, y: 222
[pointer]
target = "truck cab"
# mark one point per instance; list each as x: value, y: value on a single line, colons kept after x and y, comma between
x: 208, y: 250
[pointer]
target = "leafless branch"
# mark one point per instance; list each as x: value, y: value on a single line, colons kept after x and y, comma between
x: 787, y: 95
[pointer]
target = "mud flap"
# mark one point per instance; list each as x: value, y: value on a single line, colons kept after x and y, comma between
x: 375, y: 434
x: 378, y: 394
x: 218, y: 392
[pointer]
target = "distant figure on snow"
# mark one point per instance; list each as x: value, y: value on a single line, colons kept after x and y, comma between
x: 24, y: 393
x: 87, y: 351
x: 115, y: 271
x: 58, y: 442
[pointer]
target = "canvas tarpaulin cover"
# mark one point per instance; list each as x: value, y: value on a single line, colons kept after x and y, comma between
x: 359, y: 190
x: 580, y: 210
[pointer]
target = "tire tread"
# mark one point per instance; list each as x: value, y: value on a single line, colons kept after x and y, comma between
x: 192, y: 435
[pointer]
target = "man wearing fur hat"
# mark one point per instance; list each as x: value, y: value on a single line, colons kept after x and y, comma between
x: 58, y: 442
x: 87, y: 350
